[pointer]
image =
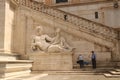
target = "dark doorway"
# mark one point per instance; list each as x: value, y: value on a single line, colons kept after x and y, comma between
x: 96, y: 15
x: 59, y: 1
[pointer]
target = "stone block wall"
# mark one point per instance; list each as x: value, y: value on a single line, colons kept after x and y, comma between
x: 106, y: 13
x: 51, y: 61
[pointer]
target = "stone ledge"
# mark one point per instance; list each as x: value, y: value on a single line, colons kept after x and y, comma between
x: 98, y: 64
x: 46, y: 53
x: 118, y: 70
x: 15, y: 69
x: 8, y: 54
x: 16, y: 61
x: 111, y: 76
x: 5, y: 56
x: 15, y: 73
x: 115, y: 73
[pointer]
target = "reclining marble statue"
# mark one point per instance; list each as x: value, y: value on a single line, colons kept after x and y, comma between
x: 45, y: 43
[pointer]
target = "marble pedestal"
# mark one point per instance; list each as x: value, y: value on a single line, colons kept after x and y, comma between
x: 51, y: 61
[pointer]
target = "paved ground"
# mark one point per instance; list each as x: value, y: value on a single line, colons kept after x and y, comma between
x: 76, y: 74
x: 62, y: 77
x: 76, y: 77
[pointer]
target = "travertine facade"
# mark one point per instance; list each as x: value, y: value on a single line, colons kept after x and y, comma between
x: 106, y: 12
x: 7, y: 25
x: 51, y: 61
x: 62, y: 2
x: 20, y: 18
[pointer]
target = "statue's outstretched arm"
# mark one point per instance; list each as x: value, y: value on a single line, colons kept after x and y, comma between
x: 48, y: 39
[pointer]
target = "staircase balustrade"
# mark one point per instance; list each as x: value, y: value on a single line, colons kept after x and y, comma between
x: 81, y: 23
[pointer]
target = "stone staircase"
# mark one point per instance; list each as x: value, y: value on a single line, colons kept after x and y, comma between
x: 104, y: 35
x: 75, y: 25
x: 11, y: 65
x: 113, y: 74
x: 90, y: 31
x: 84, y: 71
x: 103, y: 65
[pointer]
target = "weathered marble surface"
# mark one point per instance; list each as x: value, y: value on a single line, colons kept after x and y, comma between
x: 51, y: 61
x: 45, y: 43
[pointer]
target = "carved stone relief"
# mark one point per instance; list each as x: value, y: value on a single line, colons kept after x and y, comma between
x: 45, y: 43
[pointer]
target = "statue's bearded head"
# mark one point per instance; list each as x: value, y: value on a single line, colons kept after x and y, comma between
x: 58, y: 30
x: 39, y: 30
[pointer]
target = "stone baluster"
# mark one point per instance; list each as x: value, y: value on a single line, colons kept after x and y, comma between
x: 47, y: 10
x: 23, y: 2
x: 79, y: 22
x: 17, y: 1
x: 57, y: 13
x: 75, y: 20
x: 72, y: 19
x: 60, y: 15
x: 69, y: 18
x: 92, y: 27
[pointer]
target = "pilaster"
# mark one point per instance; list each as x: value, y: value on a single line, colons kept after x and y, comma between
x: 2, y: 23
x: 7, y: 11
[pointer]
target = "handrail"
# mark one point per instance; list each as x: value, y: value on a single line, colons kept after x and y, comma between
x: 81, y: 23
x: 79, y: 3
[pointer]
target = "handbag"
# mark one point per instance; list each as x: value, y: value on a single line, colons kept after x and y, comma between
x: 78, y: 62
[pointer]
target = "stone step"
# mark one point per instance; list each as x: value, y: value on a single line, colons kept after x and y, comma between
x: 16, y: 67
x: 15, y: 73
x: 107, y: 65
x: 108, y: 75
x: 68, y: 72
x: 16, y: 61
x: 26, y: 77
x: 103, y: 69
x: 115, y: 73
x: 76, y: 71
x: 118, y: 70
x: 15, y: 64
x: 72, y: 71
x: 7, y: 56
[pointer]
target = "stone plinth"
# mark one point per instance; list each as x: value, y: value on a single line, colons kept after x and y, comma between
x: 51, y: 61
x: 14, y: 67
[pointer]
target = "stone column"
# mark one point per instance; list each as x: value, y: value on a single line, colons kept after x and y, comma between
x: 116, y: 53
x: 2, y: 23
x: 20, y: 32
x: 29, y: 31
x: 6, y: 24
x: 116, y: 50
x: 119, y: 47
x: 9, y: 24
